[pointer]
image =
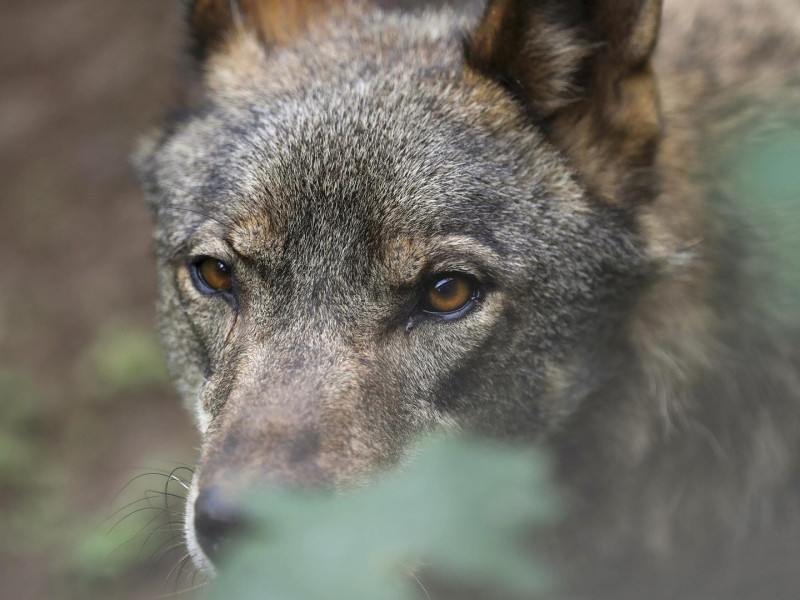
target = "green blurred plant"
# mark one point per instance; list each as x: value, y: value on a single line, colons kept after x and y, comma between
x: 20, y: 414
x: 461, y: 509
x: 760, y: 174
x: 28, y: 479
x: 123, y: 358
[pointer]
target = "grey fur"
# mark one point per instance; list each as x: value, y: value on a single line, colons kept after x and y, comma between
x: 335, y: 172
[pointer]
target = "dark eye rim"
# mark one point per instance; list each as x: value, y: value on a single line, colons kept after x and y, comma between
x: 477, y: 294
x: 202, y: 286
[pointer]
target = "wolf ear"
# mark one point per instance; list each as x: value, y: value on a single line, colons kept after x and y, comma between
x: 274, y: 21
x: 582, y: 68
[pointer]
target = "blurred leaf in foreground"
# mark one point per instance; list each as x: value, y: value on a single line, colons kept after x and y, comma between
x: 761, y: 175
x: 461, y: 508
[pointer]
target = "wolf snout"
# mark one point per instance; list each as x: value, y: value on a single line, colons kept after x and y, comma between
x: 218, y: 517
x: 243, y: 455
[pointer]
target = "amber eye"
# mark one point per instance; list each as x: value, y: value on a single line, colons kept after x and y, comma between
x: 449, y: 293
x: 214, y: 273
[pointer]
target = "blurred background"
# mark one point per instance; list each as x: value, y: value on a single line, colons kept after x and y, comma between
x: 85, y: 404
x: 90, y: 426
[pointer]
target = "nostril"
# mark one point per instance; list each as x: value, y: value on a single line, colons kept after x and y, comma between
x: 216, y: 519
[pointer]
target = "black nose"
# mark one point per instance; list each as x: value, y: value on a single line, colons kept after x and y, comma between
x: 217, y: 519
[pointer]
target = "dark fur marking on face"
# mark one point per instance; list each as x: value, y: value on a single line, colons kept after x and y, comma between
x: 304, y: 445
x: 584, y: 68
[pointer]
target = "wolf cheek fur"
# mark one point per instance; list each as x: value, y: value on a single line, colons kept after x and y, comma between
x: 337, y: 159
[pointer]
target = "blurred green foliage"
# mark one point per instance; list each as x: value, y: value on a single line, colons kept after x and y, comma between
x: 462, y: 508
x: 762, y: 176
x: 21, y: 411
x: 123, y: 358
x: 53, y: 422
x: 25, y: 471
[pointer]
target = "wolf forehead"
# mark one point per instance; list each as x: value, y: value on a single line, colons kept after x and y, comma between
x: 328, y: 171
x: 365, y: 139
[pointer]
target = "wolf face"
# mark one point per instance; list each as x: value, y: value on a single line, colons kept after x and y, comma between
x: 372, y: 225
x: 362, y: 236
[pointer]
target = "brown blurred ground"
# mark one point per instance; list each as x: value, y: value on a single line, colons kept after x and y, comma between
x: 83, y: 397
x: 85, y: 404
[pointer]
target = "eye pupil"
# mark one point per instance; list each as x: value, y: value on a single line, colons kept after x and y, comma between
x: 216, y: 274
x: 446, y: 288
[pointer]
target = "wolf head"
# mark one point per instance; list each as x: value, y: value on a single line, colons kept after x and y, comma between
x: 372, y: 225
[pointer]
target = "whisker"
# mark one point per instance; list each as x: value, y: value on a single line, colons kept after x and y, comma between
x: 166, y: 491
x: 156, y: 530
x: 127, y: 485
x: 119, y: 510
x: 179, y: 592
x: 166, y: 534
x: 179, y: 564
x: 146, y: 498
x: 165, y: 552
x: 196, y: 212
x: 415, y: 578
x: 196, y: 197
x: 160, y: 508
x: 168, y: 494
x: 136, y: 535
x: 180, y: 482
x: 188, y: 193
x: 175, y: 462
x: 194, y: 577
x: 166, y: 484
x: 180, y: 571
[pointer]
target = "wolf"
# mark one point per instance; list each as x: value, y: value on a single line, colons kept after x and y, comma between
x: 373, y: 223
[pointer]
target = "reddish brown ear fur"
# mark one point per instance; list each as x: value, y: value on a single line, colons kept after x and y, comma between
x: 584, y: 67
x: 275, y: 21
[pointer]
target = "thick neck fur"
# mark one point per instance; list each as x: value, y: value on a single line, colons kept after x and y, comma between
x: 712, y: 481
